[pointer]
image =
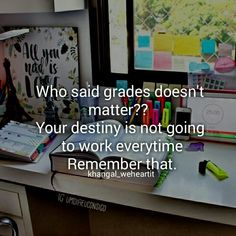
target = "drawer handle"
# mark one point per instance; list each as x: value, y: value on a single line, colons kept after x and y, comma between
x: 6, y: 221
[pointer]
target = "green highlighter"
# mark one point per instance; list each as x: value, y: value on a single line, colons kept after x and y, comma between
x: 218, y: 172
x: 168, y: 106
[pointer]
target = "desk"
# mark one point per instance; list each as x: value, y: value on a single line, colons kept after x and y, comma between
x: 184, y: 193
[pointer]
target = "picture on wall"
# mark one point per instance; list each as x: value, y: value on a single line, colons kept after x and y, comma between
x: 44, y: 55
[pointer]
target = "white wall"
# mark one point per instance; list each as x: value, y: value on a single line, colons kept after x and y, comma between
x: 74, y: 18
x: 11, y: 6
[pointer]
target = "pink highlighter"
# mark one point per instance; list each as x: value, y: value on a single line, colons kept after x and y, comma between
x: 150, y: 108
x: 146, y: 117
x: 155, y: 117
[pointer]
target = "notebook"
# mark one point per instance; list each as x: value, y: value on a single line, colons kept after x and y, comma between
x: 22, y: 142
x: 83, y: 153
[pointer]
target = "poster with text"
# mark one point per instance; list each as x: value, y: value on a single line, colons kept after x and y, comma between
x: 45, y: 56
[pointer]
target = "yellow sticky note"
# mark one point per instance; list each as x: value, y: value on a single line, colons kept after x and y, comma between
x: 187, y: 45
x: 163, y: 42
x: 164, y: 86
x: 149, y: 85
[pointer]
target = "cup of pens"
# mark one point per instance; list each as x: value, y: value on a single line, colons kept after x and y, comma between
x: 157, y: 111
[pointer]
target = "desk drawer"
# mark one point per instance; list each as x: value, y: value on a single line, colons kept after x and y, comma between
x: 6, y: 231
x: 10, y: 203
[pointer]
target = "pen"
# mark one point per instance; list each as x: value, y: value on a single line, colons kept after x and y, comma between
x: 134, y: 111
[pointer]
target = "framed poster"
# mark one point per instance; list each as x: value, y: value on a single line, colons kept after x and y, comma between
x: 45, y: 54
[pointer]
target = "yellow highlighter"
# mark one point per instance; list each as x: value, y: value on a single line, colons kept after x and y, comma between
x: 217, y: 171
x: 165, y: 117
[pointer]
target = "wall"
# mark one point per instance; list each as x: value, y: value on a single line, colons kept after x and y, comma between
x: 24, y: 6
x: 74, y: 18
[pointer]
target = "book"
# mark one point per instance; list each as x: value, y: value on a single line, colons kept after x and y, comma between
x: 83, y: 153
x: 22, y: 142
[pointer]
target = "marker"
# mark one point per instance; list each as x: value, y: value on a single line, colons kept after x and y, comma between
x: 134, y: 111
x: 157, y: 105
x: 131, y: 100
x: 146, y: 118
x: 125, y: 101
x: 168, y: 106
x: 165, y: 118
x: 152, y: 96
x: 150, y: 108
x: 155, y: 118
x: 162, y: 102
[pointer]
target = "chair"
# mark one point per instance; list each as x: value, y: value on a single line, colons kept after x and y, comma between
x: 7, y: 221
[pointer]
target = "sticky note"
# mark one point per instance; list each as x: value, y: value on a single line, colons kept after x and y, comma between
x: 208, y: 46
x: 144, y: 41
x: 122, y: 84
x: 162, y: 60
x: 179, y: 64
x: 185, y: 45
x: 163, y: 42
x: 143, y: 59
x: 174, y: 86
x: 164, y: 86
x: 149, y: 85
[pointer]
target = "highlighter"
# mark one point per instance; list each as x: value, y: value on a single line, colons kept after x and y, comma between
x: 162, y: 102
x: 168, y: 106
x: 165, y: 118
x: 217, y: 171
x: 146, y: 117
x: 155, y: 117
x: 150, y: 107
x: 157, y: 105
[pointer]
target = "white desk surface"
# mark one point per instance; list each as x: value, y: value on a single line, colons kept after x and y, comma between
x: 185, y: 192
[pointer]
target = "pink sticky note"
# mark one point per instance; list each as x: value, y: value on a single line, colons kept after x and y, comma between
x: 225, y: 50
x: 162, y: 60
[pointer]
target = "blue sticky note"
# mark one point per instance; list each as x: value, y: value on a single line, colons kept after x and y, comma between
x: 208, y: 46
x: 143, y: 41
x: 144, y: 59
x: 122, y: 84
